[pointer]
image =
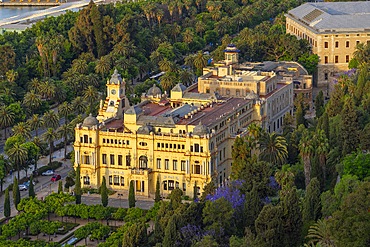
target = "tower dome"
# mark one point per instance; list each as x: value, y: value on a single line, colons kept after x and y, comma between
x: 90, y: 121
x: 116, y: 78
x: 154, y: 91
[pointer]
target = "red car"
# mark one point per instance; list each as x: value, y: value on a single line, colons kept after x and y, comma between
x: 55, y: 178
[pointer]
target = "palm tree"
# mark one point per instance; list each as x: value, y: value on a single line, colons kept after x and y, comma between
x: 51, y: 120
x: 322, y: 149
x: 320, y: 233
x: 35, y: 123
x: 32, y: 100
x: 123, y: 48
x: 64, y: 110
x: 188, y: 36
x: 18, y: 155
x: 91, y: 96
x: 200, y: 27
x: 103, y: 65
x: 7, y: 118
x: 168, y: 80
x: 200, y: 61
x: 273, y: 148
x: 22, y: 129
x: 306, y: 150
x: 79, y: 66
x: 65, y: 131
x: 50, y: 136
x: 79, y: 105
x: 34, y: 84
x: 11, y: 75
x: 165, y: 65
x: 47, y: 90
x: 77, y: 120
x: 186, y: 77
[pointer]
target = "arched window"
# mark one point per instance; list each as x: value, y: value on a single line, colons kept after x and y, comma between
x: 86, y: 180
x: 143, y: 162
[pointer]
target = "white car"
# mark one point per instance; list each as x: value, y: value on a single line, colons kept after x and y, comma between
x: 48, y: 173
x: 22, y: 187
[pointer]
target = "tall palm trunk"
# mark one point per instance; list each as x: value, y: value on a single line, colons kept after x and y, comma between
x: 51, y: 144
x: 307, y: 169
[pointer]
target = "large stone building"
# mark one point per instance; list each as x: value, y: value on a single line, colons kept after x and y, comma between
x: 333, y: 29
x: 184, y: 140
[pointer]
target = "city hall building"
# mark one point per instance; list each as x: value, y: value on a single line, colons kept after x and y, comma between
x: 184, y: 139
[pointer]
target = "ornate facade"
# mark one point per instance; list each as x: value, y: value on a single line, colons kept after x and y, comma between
x: 184, y: 140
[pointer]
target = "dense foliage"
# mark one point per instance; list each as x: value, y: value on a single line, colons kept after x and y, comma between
x: 307, y: 186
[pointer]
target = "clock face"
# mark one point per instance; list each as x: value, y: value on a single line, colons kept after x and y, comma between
x: 113, y: 91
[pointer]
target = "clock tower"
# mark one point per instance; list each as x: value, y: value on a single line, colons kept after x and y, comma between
x: 116, y: 101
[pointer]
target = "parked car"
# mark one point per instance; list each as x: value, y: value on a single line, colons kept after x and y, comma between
x: 22, y: 187
x: 28, y: 183
x: 55, y: 178
x: 48, y: 173
x: 71, y: 241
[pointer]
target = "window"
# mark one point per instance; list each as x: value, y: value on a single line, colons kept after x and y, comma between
x: 197, y: 168
x: 86, y: 180
x: 116, y: 180
x: 336, y: 44
x: 326, y: 45
x: 90, y: 140
x: 110, y: 180
x: 112, y: 159
x: 171, y: 185
x: 166, y: 164
x: 347, y: 58
x: 184, y: 186
x: 183, y: 164
x: 326, y: 59
x: 347, y: 44
x: 174, y: 165
x: 326, y: 76
x: 158, y: 163
x: 196, y: 148
x: 336, y: 59
x: 143, y: 162
x: 357, y: 42
x: 164, y: 185
x: 122, y: 181
x: 128, y: 160
x: 104, y: 159
x: 85, y: 138
x: 86, y: 159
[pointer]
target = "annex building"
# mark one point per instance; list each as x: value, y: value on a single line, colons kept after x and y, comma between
x: 183, y: 139
x: 333, y: 29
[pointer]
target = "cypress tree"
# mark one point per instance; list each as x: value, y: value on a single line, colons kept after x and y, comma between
x: 7, y: 204
x: 170, y: 233
x: 60, y: 187
x: 157, y: 197
x: 350, y: 127
x: 291, y: 217
x: 16, y: 193
x: 31, y: 189
x: 319, y: 104
x: 78, y: 191
x: 252, y: 207
x: 311, y: 204
x: 131, y: 195
x: 104, y: 193
x: 195, y: 192
x: 299, y: 116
